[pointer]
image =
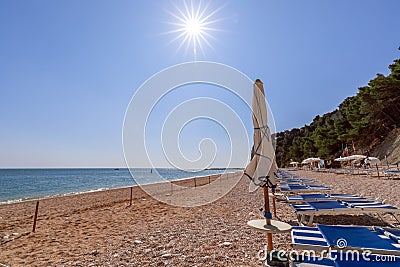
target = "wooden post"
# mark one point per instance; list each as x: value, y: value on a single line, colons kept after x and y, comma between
x: 377, y: 169
x: 267, y: 220
x: 35, y: 217
x: 209, y: 179
x: 194, y: 179
x: 130, y: 200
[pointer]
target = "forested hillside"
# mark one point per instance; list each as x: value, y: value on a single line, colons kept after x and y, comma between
x: 361, y: 123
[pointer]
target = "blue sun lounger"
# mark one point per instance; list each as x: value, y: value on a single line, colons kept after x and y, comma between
x: 375, y: 240
x: 336, y: 260
x: 302, y: 188
x: 391, y: 174
x: 332, y: 207
x: 292, y: 178
x: 297, y: 180
x: 320, y: 197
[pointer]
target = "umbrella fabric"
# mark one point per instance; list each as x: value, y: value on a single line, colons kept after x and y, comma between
x: 262, y: 167
x: 356, y: 157
x: 310, y: 160
x: 342, y: 159
x: 372, y: 160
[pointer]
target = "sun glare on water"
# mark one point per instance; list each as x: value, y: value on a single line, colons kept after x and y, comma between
x: 193, y: 26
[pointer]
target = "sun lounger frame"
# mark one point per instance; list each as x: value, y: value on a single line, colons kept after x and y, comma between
x: 349, y: 210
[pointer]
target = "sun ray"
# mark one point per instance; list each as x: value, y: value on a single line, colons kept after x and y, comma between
x: 177, y: 37
x: 210, y: 15
x: 193, y: 24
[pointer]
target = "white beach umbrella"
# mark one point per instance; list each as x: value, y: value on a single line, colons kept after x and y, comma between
x: 342, y: 159
x: 262, y: 167
x: 372, y: 160
x: 310, y: 160
x: 293, y: 163
x: 356, y: 157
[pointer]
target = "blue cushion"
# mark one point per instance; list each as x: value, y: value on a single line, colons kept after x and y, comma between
x: 355, y: 236
x: 312, y: 196
x: 329, y: 204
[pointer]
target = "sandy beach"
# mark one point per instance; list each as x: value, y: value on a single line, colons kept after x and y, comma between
x: 102, y: 229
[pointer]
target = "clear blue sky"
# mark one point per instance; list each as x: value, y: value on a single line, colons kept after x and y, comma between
x: 69, y: 68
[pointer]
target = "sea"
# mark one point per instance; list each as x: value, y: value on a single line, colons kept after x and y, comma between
x: 26, y: 184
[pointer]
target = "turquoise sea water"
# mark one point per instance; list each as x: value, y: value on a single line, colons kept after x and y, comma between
x: 24, y: 184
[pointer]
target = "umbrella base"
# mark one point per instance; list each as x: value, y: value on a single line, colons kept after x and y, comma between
x: 275, y: 227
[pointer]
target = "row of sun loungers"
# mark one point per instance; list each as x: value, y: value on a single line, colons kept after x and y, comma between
x: 290, y: 184
x: 323, y: 203
x: 389, y: 174
x: 309, y: 199
x: 385, y: 173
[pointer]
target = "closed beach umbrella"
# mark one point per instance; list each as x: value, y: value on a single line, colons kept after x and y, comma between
x: 262, y: 167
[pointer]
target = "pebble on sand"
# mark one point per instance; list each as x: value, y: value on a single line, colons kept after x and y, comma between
x: 225, y: 244
x: 166, y: 255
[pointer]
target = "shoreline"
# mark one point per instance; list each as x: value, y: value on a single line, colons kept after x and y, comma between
x: 39, y: 198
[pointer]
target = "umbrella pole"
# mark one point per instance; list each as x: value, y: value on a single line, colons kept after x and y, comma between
x: 274, y: 201
x: 267, y: 219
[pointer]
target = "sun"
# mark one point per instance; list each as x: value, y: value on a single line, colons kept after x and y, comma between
x: 193, y: 26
